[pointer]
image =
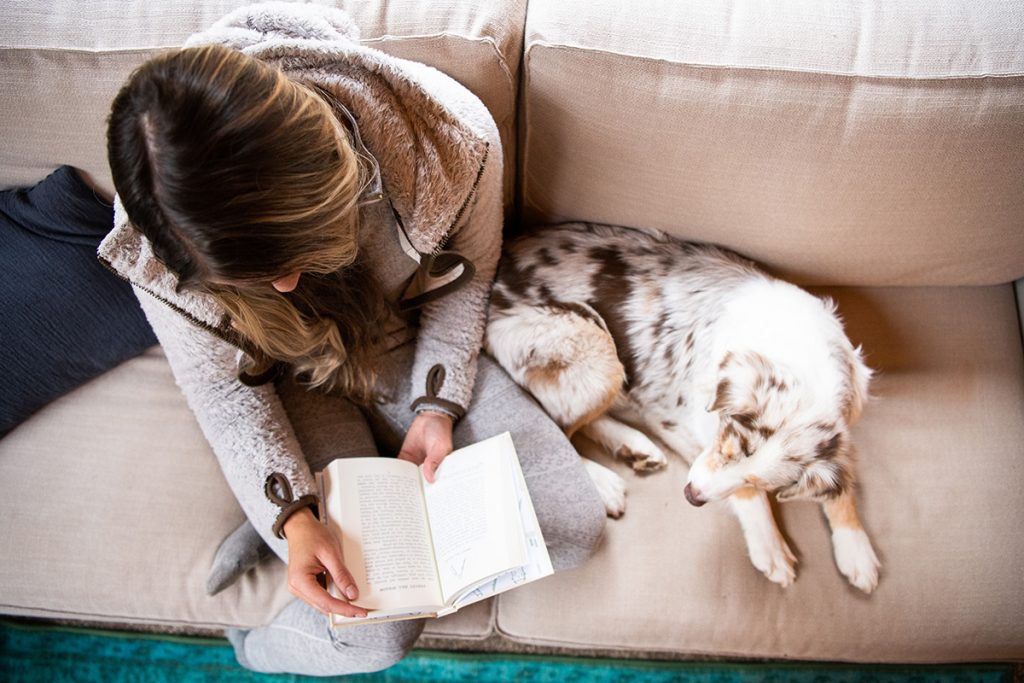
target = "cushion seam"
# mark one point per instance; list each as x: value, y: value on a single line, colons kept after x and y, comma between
x: 765, y: 68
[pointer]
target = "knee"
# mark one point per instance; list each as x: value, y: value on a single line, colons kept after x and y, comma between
x: 589, y: 519
x: 377, y: 647
x: 380, y: 659
x: 576, y: 530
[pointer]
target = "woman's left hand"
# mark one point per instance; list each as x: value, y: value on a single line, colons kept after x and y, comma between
x: 428, y: 441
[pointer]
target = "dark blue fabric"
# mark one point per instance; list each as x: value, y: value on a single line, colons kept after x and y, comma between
x: 64, y: 318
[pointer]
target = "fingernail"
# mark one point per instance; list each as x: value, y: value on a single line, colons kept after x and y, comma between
x: 351, y: 593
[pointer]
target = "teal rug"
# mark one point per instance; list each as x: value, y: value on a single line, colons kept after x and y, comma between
x: 30, y: 653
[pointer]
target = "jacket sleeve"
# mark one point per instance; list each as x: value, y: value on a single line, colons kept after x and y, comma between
x: 452, y: 327
x: 247, y: 427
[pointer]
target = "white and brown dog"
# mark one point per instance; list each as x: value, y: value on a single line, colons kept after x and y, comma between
x: 624, y: 334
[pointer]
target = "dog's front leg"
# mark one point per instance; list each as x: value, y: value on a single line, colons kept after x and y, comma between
x: 610, y: 487
x: 854, y: 555
x: 625, y: 443
x: 767, y: 548
x: 678, y: 438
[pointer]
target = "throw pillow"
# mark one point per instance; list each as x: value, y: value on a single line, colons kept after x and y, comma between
x: 66, y: 318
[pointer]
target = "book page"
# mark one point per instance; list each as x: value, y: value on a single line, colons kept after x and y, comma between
x: 538, y: 563
x: 474, y: 522
x: 375, y: 506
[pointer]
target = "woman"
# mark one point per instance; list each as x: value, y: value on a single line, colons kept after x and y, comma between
x: 313, y: 228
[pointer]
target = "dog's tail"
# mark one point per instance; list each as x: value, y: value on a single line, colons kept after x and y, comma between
x: 562, y: 354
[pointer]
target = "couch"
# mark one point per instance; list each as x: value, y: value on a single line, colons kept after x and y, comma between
x: 871, y: 151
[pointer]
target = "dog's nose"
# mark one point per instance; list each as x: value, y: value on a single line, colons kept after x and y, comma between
x: 691, y: 496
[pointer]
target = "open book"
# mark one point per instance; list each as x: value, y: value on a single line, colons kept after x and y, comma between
x: 417, y: 549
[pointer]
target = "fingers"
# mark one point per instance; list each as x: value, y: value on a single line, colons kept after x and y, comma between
x: 428, y: 472
x: 306, y: 588
x: 341, y: 577
x: 439, y: 447
x: 430, y: 466
x: 307, y: 563
x: 406, y: 454
x: 437, y: 452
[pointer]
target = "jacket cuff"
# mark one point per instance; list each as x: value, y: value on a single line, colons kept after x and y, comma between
x: 279, y: 492
x: 431, y: 400
x: 438, y: 405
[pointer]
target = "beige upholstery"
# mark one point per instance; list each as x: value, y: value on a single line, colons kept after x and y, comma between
x: 873, y: 145
x: 123, y: 483
x: 118, y: 507
x: 841, y: 143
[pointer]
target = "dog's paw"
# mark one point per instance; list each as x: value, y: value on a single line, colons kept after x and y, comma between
x: 610, y: 486
x: 774, y: 559
x: 856, y: 558
x: 641, y: 454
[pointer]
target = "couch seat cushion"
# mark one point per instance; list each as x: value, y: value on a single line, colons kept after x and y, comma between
x: 941, y: 467
x: 113, y: 508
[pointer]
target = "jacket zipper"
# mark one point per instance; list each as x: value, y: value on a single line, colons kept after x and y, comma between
x: 215, y: 331
x: 462, y: 209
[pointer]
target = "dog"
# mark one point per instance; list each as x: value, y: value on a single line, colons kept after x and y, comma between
x: 630, y: 337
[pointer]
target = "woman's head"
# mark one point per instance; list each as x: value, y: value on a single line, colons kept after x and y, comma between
x: 240, y: 177
x: 236, y: 174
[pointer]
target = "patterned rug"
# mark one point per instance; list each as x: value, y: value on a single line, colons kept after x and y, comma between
x: 32, y: 653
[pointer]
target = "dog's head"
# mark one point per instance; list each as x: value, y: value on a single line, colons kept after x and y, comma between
x: 780, y: 433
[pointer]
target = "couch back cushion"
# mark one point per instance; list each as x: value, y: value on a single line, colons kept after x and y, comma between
x: 846, y: 143
x: 62, y: 62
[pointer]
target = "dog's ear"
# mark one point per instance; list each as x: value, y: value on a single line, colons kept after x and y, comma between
x: 855, y: 384
x: 722, y: 396
x: 827, y: 474
x: 739, y: 377
x: 819, y: 480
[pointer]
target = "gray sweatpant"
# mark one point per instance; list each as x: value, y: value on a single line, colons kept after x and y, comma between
x: 571, y: 515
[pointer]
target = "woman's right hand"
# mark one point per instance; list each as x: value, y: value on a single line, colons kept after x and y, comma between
x: 312, y: 550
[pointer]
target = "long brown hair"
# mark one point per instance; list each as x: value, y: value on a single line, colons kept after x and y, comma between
x: 239, y: 176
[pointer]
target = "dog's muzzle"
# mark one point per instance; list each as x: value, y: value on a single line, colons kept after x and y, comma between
x: 692, y: 497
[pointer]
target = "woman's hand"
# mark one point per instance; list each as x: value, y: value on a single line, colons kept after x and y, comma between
x: 428, y: 441
x: 312, y: 550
